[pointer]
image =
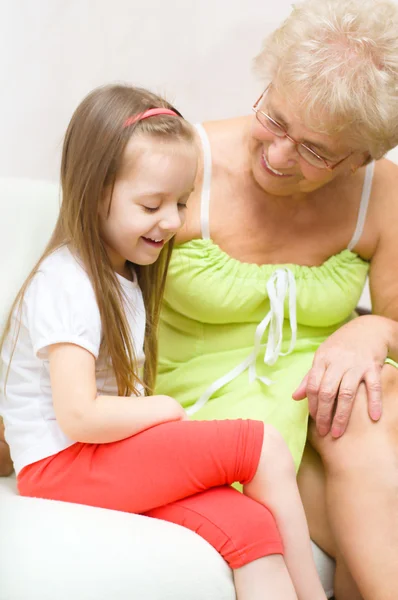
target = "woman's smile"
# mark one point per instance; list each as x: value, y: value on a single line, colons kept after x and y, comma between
x: 270, y: 169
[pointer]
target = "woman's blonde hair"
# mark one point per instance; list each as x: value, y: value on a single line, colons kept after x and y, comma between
x: 340, y: 59
x: 91, y: 160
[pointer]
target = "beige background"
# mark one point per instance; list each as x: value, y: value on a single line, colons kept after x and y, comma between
x: 197, y: 52
x: 52, y: 52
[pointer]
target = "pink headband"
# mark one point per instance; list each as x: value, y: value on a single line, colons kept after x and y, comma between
x: 152, y: 112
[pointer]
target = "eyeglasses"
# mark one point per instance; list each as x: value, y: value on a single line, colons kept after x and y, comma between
x: 306, y: 153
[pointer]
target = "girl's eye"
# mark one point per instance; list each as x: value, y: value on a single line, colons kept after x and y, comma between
x: 150, y: 209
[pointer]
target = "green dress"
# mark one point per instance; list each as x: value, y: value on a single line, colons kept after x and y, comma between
x: 237, y: 338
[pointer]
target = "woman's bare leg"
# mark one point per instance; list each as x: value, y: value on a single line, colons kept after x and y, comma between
x: 275, y: 485
x: 345, y: 587
x: 312, y: 485
x: 362, y: 492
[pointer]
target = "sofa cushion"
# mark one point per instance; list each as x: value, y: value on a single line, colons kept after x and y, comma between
x: 54, y: 550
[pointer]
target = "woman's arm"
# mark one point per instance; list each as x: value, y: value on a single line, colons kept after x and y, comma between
x: 356, y: 353
x: 85, y: 417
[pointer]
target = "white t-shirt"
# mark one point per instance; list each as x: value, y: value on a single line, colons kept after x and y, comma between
x: 59, y: 306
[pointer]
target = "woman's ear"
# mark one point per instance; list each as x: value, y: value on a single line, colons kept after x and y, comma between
x: 363, y: 159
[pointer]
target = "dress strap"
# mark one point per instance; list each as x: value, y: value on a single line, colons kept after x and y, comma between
x: 363, y: 207
x: 205, y: 196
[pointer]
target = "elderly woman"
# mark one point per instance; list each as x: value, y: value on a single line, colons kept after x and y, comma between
x: 293, y: 207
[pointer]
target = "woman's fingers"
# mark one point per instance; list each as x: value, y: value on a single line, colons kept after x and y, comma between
x: 372, y: 380
x: 337, y: 393
x: 301, y: 391
x: 314, y: 380
x: 327, y: 393
x: 347, y: 392
x: 331, y: 387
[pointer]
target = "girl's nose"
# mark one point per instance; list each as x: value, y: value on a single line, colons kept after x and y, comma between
x: 172, y: 221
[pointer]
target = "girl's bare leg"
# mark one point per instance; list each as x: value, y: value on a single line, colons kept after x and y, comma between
x: 264, y: 579
x: 275, y: 485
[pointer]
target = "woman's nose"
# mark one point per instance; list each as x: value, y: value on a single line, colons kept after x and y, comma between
x: 282, y: 153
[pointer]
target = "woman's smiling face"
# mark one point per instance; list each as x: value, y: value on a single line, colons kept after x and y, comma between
x: 278, y: 167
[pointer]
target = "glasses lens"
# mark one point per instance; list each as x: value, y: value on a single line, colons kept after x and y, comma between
x: 311, y: 158
x: 269, y: 124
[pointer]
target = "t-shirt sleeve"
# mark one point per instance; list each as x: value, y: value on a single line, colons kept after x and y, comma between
x: 61, y: 307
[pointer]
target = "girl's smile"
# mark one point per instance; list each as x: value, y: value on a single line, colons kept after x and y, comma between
x: 146, y: 206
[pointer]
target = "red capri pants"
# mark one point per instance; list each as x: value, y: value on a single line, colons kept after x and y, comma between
x: 179, y: 472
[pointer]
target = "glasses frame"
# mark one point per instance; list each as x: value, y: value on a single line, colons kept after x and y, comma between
x: 328, y: 165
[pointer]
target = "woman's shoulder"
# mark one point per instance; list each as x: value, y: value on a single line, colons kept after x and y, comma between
x: 386, y: 173
x: 382, y: 218
x: 223, y: 130
x: 385, y: 187
x: 228, y: 141
x: 225, y: 139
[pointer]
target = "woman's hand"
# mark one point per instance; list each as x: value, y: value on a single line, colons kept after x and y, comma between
x: 354, y: 354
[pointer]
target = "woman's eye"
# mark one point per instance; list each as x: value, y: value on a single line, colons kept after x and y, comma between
x: 182, y: 205
x: 150, y: 209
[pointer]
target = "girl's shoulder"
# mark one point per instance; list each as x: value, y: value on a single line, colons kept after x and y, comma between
x: 61, y: 275
x: 63, y: 262
x: 60, y: 306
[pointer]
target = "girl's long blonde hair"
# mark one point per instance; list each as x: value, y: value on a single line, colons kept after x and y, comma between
x: 91, y: 159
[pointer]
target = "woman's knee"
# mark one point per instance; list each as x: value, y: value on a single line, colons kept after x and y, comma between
x: 389, y: 418
x: 364, y: 440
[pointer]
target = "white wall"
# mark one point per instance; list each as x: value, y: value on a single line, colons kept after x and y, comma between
x: 197, y: 52
x: 54, y: 51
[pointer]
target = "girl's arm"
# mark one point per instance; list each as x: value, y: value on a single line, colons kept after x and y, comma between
x: 85, y: 417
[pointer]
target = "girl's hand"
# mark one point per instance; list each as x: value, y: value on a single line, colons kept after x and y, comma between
x: 355, y: 353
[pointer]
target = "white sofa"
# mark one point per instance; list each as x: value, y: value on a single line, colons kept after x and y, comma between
x: 57, y: 551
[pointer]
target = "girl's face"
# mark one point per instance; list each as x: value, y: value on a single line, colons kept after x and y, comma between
x: 149, y: 199
x: 277, y: 165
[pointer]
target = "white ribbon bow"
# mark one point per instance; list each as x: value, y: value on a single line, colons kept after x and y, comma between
x: 280, y: 284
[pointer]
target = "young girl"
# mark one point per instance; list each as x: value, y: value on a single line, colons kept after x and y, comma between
x: 78, y: 411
